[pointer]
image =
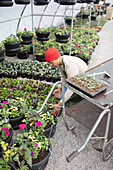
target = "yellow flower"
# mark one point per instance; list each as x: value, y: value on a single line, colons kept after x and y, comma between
x: 7, y: 153
x: 4, y: 145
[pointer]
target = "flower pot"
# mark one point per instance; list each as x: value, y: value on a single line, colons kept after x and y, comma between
x: 6, y: 3
x: 93, y: 18
x: 2, y: 55
x: 21, y: 2
x: 42, y: 36
x: 84, y: 16
x: 67, y: 2
x: 49, y: 132
x: 54, y: 80
x: 23, y: 55
x: 42, y: 164
x: 11, y: 49
x: 8, y: 140
x: 27, y: 39
x: 48, y: 79
x: 16, y: 121
x: 40, y: 58
x: 62, y: 38
x: 41, y: 2
x: 68, y: 21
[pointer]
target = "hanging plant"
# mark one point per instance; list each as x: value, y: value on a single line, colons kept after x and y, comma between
x: 22, y: 2
x: 6, y: 3
x: 42, y: 34
x: 41, y: 2
x: 67, y: 2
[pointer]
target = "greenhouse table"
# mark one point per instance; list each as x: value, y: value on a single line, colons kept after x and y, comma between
x: 102, y: 101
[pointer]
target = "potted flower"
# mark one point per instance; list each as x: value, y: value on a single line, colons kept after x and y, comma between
x: 93, y: 17
x: 6, y: 132
x: 7, y: 3
x: 22, y: 2
x: 2, y: 49
x: 15, y: 110
x: 39, y: 52
x: 24, y: 52
x: 25, y: 36
x: 62, y: 35
x: 12, y: 45
x: 41, y: 2
x: 33, y: 148
x: 42, y: 34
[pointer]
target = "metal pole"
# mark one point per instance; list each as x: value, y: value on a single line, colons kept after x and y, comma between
x: 71, y: 30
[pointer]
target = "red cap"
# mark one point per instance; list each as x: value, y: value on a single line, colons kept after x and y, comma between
x: 52, y: 54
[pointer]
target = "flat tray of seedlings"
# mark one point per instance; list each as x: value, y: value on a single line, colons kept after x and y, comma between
x: 88, y: 84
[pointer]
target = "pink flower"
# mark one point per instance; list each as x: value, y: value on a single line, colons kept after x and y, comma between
x: 92, y: 39
x: 38, y: 123
x: 0, y: 106
x: 22, y: 126
x: 90, y: 49
x: 36, y: 144
x: 3, y: 128
x: 7, y: 132
x: 25, y: 29
x: 4, y: 102
x: 75, y: 44
x: 88, y: 40
x: 84, y: 45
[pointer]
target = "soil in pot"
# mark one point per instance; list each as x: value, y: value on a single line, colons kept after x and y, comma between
x: 50, y: 130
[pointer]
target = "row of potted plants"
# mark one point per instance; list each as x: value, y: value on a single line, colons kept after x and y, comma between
x: 29, y: 69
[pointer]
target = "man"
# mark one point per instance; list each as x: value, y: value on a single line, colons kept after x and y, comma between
x: 68, y: 66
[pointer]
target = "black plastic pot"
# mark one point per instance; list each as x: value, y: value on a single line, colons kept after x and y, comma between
x: 11, y: 49
x: 40, y: 58
x: 67, y: 2
x: 68, y: 21
x: 48, y: 79
x: 50, y: 131
x: 9, y: 141
x: 2, y: 55
x: 86, y: 60
x: 93, y: 18
x: 15, y: 122
x: 22, y: 2
x: 27, y: 39
x: 41, y: 165
x: 62, y: 38
x: 42, y: 36
x: 41, y: 2
x: 6, y: 3
x: 23, y: 55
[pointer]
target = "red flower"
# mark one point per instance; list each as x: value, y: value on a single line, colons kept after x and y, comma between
x: 22, y: 126
x: 54, y: 114
x: 92, y: 39
x: 25, y: 29
x: 89, y: 41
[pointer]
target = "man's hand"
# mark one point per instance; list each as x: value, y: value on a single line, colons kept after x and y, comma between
x: 57, y: 93
x: 57, y: 109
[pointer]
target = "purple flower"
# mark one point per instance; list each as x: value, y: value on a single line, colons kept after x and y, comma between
x: 0, y: 106
x: 4, y: 102
x: 38, y: 123
x: 75, y: 44
x: 7, y: 133
x: 84, y: 45
x: 32, y: 153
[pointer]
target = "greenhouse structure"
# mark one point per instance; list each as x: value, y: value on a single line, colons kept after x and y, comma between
x: 56, y: 84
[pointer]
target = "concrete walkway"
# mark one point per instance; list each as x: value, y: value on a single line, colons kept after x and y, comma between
x: 65, y: 142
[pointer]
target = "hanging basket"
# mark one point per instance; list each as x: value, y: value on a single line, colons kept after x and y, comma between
x: 6, y: 3
x: 11, y: 49
x: 2, y: 55
x: 27, y: 39
x: 23, y: 55
x: 62, y: 38
x: 41, y: 2
x: 42, y: 36
x: 22, y: 2
x: 67, y: 2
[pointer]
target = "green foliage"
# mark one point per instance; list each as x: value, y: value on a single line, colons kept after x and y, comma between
x: 25, y: 32
x: 1, y: 46
x: 11, y: 39
x: 4, y: 165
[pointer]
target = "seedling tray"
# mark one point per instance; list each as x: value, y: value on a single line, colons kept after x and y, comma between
x: 85, y: 90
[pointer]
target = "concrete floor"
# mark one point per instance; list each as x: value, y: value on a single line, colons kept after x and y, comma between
x: 65, y: 142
